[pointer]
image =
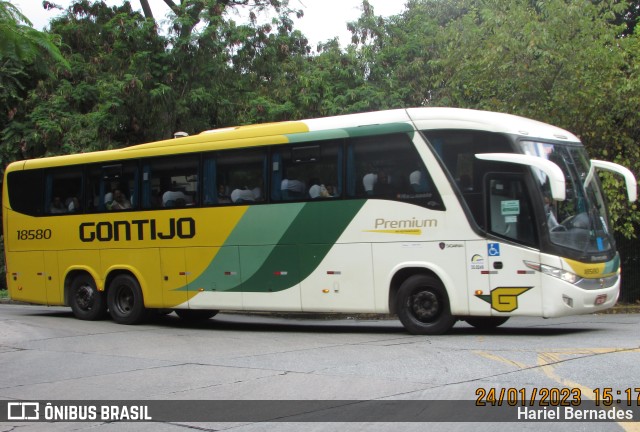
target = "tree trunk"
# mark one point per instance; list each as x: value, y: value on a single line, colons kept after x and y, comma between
x: 146, y: 9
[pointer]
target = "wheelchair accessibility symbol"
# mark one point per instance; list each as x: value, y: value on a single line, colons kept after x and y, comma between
x: 493, y: 249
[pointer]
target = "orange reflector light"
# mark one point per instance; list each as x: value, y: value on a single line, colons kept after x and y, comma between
x: 326, y: 291
x: 478, y: 292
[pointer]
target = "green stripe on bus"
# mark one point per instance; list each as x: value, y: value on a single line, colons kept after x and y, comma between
x: 259, y: 231
x: 264, y: 224
x: 317, y: 136
x: 304, y: 245
x: 275, y: 247
x: 360, y: 131
x: 380, y: 129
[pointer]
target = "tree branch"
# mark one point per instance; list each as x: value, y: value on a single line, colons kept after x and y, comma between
x: 146, y: 9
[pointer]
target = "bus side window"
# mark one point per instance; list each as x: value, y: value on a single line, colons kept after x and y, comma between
x: 104, y: 180
x: 457, y: 149
x: 510, y: 211
x: 306, y: 171
x: 170, y: 182
x: 26, y: 191
x: 63, y: 189
x: 240, y: 176
x: 389, y: 167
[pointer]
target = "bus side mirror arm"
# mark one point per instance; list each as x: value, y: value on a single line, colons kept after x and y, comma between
x: 629, y: 178
x: 553, y: 171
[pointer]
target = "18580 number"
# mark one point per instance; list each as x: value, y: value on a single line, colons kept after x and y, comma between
x: 37, y: 234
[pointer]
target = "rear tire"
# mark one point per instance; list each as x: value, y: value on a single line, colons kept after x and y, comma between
x: 196, y: 314
x: 87, y: 303
x: 423, y: 306
x: 126, y: 304
x: 486, y: 323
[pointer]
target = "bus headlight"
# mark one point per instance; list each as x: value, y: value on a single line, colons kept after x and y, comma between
x: 554, y: 271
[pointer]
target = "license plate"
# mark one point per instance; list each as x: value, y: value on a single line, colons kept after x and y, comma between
x: 600, y: 299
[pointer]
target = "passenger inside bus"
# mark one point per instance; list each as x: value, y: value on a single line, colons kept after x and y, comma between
x: 291, y: 189
x: 72, y: 204
x: 369, y: 182
x: 257, y: 193
x: 57, y: 206
x: 120, y: 201
x: 383, y: 187
x: 418, y: 181
x: 243, y: 195
x: 317, y: 189
x: 550, y: 212
x: 175, y: 197
x: 331, y: 191
x: 223, y: 197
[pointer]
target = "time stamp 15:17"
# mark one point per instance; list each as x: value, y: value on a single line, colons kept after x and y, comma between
x: 554, y: 396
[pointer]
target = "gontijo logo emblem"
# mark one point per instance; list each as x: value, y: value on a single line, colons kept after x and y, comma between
x: 504, y: 299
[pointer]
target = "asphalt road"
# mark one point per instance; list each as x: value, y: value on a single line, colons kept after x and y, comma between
x: 46, y: 354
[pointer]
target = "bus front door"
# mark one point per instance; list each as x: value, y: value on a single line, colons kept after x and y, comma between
x: 514, y: 288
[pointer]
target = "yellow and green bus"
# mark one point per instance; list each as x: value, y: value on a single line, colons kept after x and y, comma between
x: 433, y: 214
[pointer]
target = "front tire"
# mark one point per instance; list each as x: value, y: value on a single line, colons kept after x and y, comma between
x: 126, y: 304
x: 423, y: 306
x: 87, y: 303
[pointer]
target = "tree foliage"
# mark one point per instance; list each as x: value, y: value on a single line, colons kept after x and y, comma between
x: 25, y: 55
x: 628, y: 17
x: 130, y: 82
x: 567, y: 62
x: 573, y: 63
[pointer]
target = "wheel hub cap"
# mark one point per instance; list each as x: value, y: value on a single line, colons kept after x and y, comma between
x: 425, y: 306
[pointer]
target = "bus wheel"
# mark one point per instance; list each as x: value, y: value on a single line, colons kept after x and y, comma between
x: 87, y: 303
x: 196, y: 314
x: 125, y: 301
x: 486, y: 323
x: 423, y: 306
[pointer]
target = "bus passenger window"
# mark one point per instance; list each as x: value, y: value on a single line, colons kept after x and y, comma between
x: 26, y: 192
x: 306, y: 171
x: 63, y: 187
x: 389, y: 167
x: 170, y: 182
x: 111, y: 187
x: 456, y: 149
x: 238, y: 176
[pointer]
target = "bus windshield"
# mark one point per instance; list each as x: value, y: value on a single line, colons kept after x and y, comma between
x: 580, y: 222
